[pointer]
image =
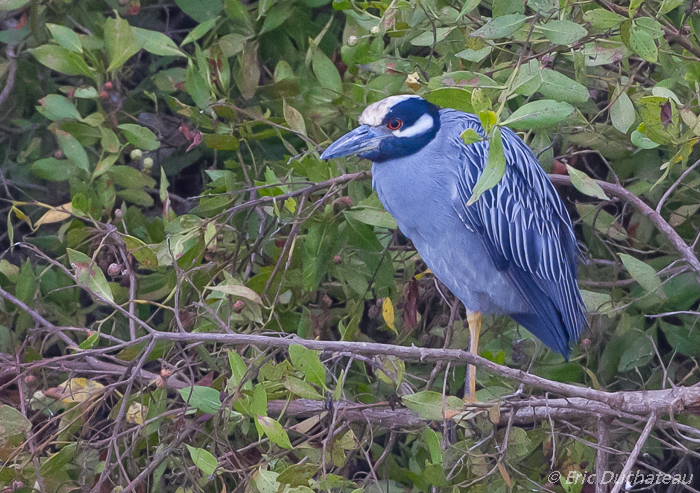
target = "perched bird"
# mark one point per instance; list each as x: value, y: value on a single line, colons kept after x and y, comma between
x: 511, y: 252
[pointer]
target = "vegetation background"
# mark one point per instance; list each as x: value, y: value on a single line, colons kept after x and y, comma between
x: 190, y: 299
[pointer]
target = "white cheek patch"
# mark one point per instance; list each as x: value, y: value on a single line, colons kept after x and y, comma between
x: 422, y: 125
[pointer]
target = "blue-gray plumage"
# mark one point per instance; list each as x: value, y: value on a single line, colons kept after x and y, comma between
x: 511, y: 252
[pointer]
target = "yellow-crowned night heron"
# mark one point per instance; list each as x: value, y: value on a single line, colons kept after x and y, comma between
x: 513, y: 251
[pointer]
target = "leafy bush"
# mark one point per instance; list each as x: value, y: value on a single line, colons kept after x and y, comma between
x: 189, y: 295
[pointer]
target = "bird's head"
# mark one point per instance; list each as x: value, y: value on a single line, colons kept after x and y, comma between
x: 394, y: 127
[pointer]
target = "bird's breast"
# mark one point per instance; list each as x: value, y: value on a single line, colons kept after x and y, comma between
x: 421, y: 197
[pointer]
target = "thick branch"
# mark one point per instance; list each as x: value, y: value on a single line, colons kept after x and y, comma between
x: 639, y: 403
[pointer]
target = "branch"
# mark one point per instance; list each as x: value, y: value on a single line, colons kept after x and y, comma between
x: 622, y: 193
x: 635, y: 452
x: 638, y: 403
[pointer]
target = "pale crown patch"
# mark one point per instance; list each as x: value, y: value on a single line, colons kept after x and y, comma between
x: 374, y: 113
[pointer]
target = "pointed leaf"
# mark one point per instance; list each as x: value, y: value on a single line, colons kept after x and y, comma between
x: 274, y: 431
x: 204, y: 460
x: 495, y: 167
x: 539, y: 114
x: 500, y: 27
x: 585, y: 184
x: 308, y: 362
x: 563, y: 32
x: 642, y: 272
x: 120, y: 42
x: 622, y: 113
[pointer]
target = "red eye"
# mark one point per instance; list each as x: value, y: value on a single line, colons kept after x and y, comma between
x: 394, y: 124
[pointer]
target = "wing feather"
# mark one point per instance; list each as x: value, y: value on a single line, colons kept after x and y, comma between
x: 528, y: 234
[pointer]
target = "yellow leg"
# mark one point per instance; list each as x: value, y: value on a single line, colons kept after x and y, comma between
x: 474, y: 321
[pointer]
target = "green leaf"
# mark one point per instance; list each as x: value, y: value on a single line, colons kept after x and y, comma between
x: 642, y: 141
x: 427, y: 39
x: 12, y: 4
x: 602, y: 19
x: 294, y: 118
x: 73, y: 150
x: 120, y: 42
x: 297, y: 475
x: 326, y: 72
x: 13, y: 422
x: 155, y: 42
x: 308, y: 362
x: 197, y: 86
x: 237, y: 290
x: 433, y: 440
x: 221, y: 142
x: 458, y: 99
x: 480, y: 102
x: 372, y: 217
x: 558, y: 86
x: 643, y: 44
x: 205, y: 399
x: 109, y: 141
x: 61, y: 60
x: 563, y: 32
x: 469, y: 136
x: 660, y: 125
x: 200, y: 31
x: 89, y: 275
x: 274, y: 431
x: 52, y: 169
x: 643, y: 273
x: 500, y: 27
x: 639, y: 353
x: 622, y: 113
x: 139, y: 136
x: 128, y: 177
x: 204, y: 460
x: 431, y: 405
x: 539, y: 114
x: 65, y: 37
x: 585, y: 184
x: 301, y: 388
x: 318, y: 252
x: 685, y: 339
x: 495, y: 167
x: 55, y: 107
x: 201, y: 10
x: 141, y: 252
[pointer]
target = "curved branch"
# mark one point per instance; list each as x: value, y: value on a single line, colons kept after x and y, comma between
x: 622, y: 193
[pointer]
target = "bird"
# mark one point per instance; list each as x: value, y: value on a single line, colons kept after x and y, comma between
x: 511, y: 252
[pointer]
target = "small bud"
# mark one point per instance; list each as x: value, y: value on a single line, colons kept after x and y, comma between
x: 165, y: 373
x: 118, y: 213
x: 108, y: 85
x: 352, y: 40
x: 29, y: 379
x: 337, y: 260
x: 326, y: 301
x: 238, y: 306
x: 148, y: 163
x: 585, y: 343
x: 374, y: 30
x: 104, y: 95
x: 113, y: 269
x: 59, y: 154
x: 345, y: 201
x: 136, y: 154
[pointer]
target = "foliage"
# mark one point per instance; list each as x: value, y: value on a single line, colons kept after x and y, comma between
x: 165, y: 204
